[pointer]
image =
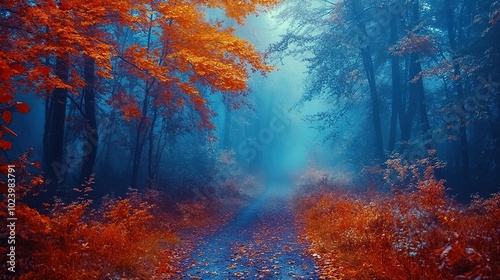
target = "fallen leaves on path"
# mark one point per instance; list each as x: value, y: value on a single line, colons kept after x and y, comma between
x: 265, y: 245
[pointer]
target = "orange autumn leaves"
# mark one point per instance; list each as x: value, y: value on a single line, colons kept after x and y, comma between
x: 191, y: 53
x: 184, y: 51
x: 126, y: 104
x: 36, y: 33
x: 119, y: 238
x: 33, y: 34
x: 398, y: 236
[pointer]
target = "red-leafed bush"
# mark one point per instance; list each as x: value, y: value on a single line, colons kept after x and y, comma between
x: 136, y: 237
x: 120, y: 239
x: 412, y: 232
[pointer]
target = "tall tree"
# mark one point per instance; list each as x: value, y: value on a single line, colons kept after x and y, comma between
x: 452, y: 38
x: 396, y: 107
x: 333, y: 39
x: 91, y: 136
x: 54, y: 144
x: 416, y: 95
x: 371, y: 76
x: 185, y: 51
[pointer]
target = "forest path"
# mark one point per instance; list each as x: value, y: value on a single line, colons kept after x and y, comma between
x: 259, y: 243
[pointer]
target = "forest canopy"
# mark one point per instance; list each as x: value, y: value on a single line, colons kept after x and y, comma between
x: 425, y: 72
x: 155, y: 62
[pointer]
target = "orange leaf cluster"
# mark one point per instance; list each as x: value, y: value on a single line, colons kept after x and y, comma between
x: 125, y: 103
x: 6, y: 117
x: 415, y: 44
x: 194, y: 53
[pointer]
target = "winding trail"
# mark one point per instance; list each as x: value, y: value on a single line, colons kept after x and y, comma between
x: 260, y: 243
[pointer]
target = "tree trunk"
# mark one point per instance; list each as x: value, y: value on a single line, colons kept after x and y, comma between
x: 139, y: 140
x: 396, y: 87
x: 424, y: 119
x: 411, y: 108
x: 151, y: 148
x: 464, y: 150
x: 54, y: 166
x: 90, y: 130
x: 416, y: 99
x: 419, y: 84
x: 143, y: 126
x: 370, y: 75
x: 160, y: 147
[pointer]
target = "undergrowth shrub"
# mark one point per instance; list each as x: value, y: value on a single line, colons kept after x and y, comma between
x: 136, y: 237
x: 229, y: 180
x: 315, y: 179
x: 120, y: 239
x: 414, y: 232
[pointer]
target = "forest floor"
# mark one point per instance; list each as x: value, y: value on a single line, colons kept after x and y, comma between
x: 261, y: 242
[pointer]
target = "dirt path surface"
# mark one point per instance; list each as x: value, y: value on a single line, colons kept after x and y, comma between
x: 260, y: 243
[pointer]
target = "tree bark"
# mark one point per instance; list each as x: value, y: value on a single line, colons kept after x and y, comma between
x: 143, y: 126
x: 464, y: 150
x: 90, y: 129
x: 151, y: 148
x: 416, y: 92
x: 396, y: 107
x: 139, y: 139
x: 370, y: 75
x: 411, y: 108
x: 54, y: 166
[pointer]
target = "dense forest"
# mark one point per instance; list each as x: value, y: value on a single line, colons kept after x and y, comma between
x: 424, y: 75
x: 255, y: 139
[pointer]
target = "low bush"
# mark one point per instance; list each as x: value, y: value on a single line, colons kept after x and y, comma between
x: 412, y: 233
x: 136, y: 237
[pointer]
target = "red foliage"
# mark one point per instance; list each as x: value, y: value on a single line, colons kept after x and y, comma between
x: 415, y: 44
x: 22, y: 108
x: 136, y: 237
x: 127, y: 104
x: 7, y: 116
x: 418, y: 231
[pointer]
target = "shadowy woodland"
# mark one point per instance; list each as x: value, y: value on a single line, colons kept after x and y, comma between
x: 133, y: 130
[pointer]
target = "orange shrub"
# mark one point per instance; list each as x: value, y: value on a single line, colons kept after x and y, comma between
x: 418, y: 233
x: 73, y: 241
x: 136, y: 237
x: 118, y: 240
